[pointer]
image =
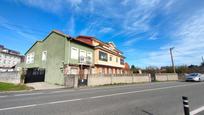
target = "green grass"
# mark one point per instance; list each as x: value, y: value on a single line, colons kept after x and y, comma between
x: 12, y: 87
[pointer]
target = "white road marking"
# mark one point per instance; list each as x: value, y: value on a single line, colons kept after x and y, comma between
x: 27, y: 94
x: 94, y: 97
x: 196, y: 111
x: 18, y: 107
x: 61, y: 91
x: 3, y: 96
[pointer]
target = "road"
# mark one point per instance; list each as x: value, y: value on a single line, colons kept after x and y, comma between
x: 161, y: 98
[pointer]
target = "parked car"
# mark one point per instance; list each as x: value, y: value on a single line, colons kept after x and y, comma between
x: 194, y: 77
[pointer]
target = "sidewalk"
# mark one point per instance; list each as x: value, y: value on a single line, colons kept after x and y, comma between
x: 43, y: 86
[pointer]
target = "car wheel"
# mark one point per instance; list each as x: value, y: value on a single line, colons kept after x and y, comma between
x: 199, y: 80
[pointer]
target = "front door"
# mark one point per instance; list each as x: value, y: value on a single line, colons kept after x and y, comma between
x: 82, y: 77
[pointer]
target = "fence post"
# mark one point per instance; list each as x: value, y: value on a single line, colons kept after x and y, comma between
x: 76, y: 81
x: 111, y: 78
x: 132, y: 78
x: 185, y: 105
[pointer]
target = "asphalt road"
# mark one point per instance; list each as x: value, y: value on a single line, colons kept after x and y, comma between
x: 164, y: 98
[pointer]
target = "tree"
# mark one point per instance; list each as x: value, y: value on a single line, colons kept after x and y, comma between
x: 182, y: 69
x: 134, y: 69
x: 152, y: 69
x: 202, y: 64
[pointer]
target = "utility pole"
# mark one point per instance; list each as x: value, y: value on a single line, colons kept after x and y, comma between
x: 172, y: 59
x: 202, y: 59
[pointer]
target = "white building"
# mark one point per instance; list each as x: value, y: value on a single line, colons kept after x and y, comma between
x: 9, y: 59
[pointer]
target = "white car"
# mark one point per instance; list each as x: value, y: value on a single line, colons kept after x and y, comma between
x: 194, y: 77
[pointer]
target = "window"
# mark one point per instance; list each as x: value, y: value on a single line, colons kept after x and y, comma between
x: 30, y: 58
x: 82, y: 56
x: 44, y: 55
x: 122, y: 61
x: 103, y: 56
x: 89, y: 57
x: 116, y: 59
x: 74, y: 53
x: 110, y: 58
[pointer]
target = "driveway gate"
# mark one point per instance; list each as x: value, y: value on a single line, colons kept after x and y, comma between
x: 34, y: 75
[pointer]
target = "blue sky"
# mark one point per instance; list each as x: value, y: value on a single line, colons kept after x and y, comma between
x: 143, y: 29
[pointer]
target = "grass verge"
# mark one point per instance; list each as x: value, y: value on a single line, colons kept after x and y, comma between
x: 12, y: 87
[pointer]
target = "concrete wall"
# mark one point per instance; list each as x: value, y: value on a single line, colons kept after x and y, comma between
x: 166, y: 76
x: 10, y: 77
x: 95, y: 80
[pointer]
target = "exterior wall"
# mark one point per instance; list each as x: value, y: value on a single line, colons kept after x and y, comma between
x: 99, y: 69
x: 79, y: 47
x: 10, y: 77
x: 96, y: 80
x: 55, y: 47
x: 166, y: 77
x: 112, y: 63
x: 37, y: 49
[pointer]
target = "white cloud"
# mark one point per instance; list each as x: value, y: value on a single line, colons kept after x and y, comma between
x: 54, y: 6
x: 130, y: 42
x: 47, y: 5
x: 106, y: 30
x: 26, y: 34
x: 154, y: 36
x: 188, y: 42
x: 71, y: 26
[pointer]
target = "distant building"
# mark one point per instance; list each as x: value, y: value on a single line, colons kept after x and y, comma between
x: 9, y: 59
x: 126, y: 69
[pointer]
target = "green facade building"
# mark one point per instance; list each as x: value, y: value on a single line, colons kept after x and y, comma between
x: 59, y: 55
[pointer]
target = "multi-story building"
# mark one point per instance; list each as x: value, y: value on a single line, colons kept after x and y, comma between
x: 57, y: 55
x: 9, y: 59
x: 108, y: 59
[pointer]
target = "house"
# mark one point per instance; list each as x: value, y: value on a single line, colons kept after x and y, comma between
x: 58, y: 55
x: 126, y: 69
x: 9, y: 59
x: 108, y: 59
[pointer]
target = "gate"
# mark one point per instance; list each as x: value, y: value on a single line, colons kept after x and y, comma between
x: 69, y: 81
x: 153, y: 77
x: 34, y: 75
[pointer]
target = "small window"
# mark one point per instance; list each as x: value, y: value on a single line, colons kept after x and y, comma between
x: 116, y: 59
x: 122, y: 61
x: 74, y: 53
x: 89, y: 57
x: 82, y: 56
x: 30, y: 58
x: 44, y: 55
x: 110, y: 58
x: 103, y: 56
